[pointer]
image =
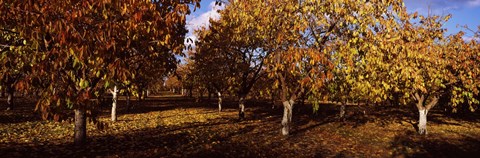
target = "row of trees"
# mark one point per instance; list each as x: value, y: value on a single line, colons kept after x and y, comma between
x: 365, y: 51
x: 69, y: 53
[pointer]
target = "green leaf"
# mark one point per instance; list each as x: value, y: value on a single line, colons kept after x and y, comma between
x: 107, y: 84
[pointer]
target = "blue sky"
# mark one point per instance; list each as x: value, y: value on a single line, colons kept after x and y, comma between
x: 464, y: 12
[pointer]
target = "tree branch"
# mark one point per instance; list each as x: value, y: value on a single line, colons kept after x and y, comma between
x: 432, y: 103
x: 420, y: 99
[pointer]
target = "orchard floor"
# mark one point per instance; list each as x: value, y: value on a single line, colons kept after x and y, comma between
x: 173, y: 126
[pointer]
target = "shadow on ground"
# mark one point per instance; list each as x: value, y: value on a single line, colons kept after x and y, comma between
x: 409, y: 144
x: 148, y: 142
x: 313, y: 134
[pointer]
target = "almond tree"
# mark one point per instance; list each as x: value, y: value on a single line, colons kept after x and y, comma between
x: 211, y: 65
x: 242, y: 50
x: 406, y: 61
x: 13, y: 62
x: 464, y: 72
x: 184, y: 78
x: 78, y: 45
x: 358, y: 23
x: 325, y: 32
x: 296, y: 40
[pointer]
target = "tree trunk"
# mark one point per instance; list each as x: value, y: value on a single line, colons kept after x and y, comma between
x: 128, y: 101
x: 201, y: 94
x: 342, y: 110
x: 10, y: 98
x: 272, y: 97
x: 147, y: 94
x: 190, y: 92
x: 80, y: 131
x: 139, y: 99
x: 422, y: 123
x: 143, y: 94
x: 287, y: 116
x: 423, y: 111
x: 241, y: 107
x: 302, y: 100
x: 219, y: 101
x: 114, y: 104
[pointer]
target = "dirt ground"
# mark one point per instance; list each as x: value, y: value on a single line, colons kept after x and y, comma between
x: 174, y: 126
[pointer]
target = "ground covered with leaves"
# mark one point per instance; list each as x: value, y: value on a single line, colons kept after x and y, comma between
x: 173, y: 126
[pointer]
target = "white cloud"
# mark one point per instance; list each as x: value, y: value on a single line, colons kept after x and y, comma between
x: 440, y: 6
x: 474, y: 3
x: 202, y: 20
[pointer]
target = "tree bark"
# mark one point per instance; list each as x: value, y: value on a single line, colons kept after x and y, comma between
x: 10, y: 98
x: 302, y: 99
x: 219, y: 101
x: 144, y: 94
x: 342, y: 110
x: 241, y: 107
x: 190, y: 92
x: 114, y: 104
x: 423, y: 112
x: 201, y: 94
x: 272, y: 97
x: 422, y: 123
x: 287, y: 116
x: 139, y: 99
x: 80, y: 132
x: 128, y: 101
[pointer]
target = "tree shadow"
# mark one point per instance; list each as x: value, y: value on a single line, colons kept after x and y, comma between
x: 410, y: 144
x: 154, y: 142
x: 23, y: 111
x: 12, y: 117
x: 384, y: 115
x: 150, y: 104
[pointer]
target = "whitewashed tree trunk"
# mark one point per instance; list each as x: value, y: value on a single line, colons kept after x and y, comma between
x: 423, y: 111
x: 147, y: 94
x: 287, y: 116
x: 114, y: 104
x: 241, y: 107
x: 219, y: 101
x: 342, y: 110
x: 422, y: 123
